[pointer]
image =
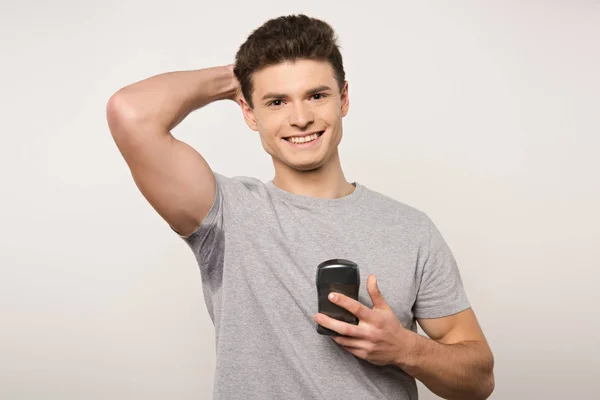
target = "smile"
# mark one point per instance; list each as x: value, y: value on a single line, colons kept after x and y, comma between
x: 300, y: 140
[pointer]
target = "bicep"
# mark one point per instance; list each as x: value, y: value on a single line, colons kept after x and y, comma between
x: 178, y: 183
x: 172, y: 176
x: 459, y: 327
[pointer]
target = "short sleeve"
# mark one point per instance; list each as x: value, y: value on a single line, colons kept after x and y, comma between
x: 207, y: 240
x: 440, y: 291
x: 233, y: 195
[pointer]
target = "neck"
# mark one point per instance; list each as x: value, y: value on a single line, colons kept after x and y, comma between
x: 325, y: 182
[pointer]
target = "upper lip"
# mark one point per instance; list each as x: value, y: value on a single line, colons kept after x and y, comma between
x: 303, y: 134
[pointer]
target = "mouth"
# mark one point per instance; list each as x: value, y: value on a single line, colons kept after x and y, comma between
x: 304, y: 140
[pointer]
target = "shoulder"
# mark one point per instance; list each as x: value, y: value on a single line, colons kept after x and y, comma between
x: 396, y: 218
x: 240, y: 182
x: 240, y: 188
x: 394, y: 210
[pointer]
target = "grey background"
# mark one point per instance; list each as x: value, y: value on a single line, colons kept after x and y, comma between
x: 482, y: 114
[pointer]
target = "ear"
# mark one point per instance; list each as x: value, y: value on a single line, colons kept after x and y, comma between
x: 345, y: 99
x: 248, y: 113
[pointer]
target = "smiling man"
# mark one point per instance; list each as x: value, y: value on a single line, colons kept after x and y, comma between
x: 258, y: 243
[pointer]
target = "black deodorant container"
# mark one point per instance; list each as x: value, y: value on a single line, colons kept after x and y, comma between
x: 340, y: 276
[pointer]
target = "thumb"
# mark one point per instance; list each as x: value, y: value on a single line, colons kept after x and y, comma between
x: 375, y: 293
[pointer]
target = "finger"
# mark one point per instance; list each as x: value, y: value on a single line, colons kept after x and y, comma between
x: 375, y: 293
x: 361, y: 311
x: 341, y: 327
x: 352, y: 342
x: 360, y: 353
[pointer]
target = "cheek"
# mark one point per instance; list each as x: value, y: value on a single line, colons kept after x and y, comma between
x: 331, y: 113
x: 269, y: 126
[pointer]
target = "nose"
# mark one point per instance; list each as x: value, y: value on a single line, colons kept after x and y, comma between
x: 301, y: 116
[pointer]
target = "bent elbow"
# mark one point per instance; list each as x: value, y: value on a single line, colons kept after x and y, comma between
x: 119, y: 110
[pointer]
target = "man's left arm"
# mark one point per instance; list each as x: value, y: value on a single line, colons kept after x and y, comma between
x: 455, y: 362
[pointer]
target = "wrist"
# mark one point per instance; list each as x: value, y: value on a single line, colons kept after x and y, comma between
x: 224, y: 83
x: 233, y: 89
x: 410, y: 350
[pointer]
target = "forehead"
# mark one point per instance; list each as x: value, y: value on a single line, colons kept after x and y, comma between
x: 292, y: 77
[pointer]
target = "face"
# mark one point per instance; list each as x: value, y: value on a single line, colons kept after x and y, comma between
x: 298, y: 111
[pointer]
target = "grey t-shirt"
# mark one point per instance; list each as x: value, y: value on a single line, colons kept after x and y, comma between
x: 258, y: 250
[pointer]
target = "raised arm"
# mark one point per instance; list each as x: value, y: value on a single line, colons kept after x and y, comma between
x: 172, y: 176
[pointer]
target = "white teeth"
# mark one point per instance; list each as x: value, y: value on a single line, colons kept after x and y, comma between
x: 305, y: 139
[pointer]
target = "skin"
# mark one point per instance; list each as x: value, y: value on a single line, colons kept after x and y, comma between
x: 455, y: 361
x: 298, y: 109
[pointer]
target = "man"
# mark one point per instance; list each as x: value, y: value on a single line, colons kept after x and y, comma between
x: 258, y: 244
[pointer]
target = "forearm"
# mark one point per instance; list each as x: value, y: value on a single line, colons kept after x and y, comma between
x: 165, y: 100
x: 452, y: 371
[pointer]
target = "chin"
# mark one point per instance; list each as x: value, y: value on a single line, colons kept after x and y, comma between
x: 306, y: 165
x: 306, y: 168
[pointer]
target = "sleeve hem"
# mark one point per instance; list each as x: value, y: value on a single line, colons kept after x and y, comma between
x: 442, y: 311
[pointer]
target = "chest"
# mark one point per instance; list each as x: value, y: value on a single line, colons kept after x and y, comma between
x: 278, y: 257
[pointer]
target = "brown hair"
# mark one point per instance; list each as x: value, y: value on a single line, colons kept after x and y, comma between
x: 287, y: 38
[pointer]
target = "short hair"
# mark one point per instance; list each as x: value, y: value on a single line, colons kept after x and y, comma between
x: 287, y: 38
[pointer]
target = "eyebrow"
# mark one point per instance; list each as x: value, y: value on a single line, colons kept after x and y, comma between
x: 322, y: 88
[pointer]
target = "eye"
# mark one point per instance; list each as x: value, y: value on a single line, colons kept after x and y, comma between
x: 275, y: 103
x: 319, y: 96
